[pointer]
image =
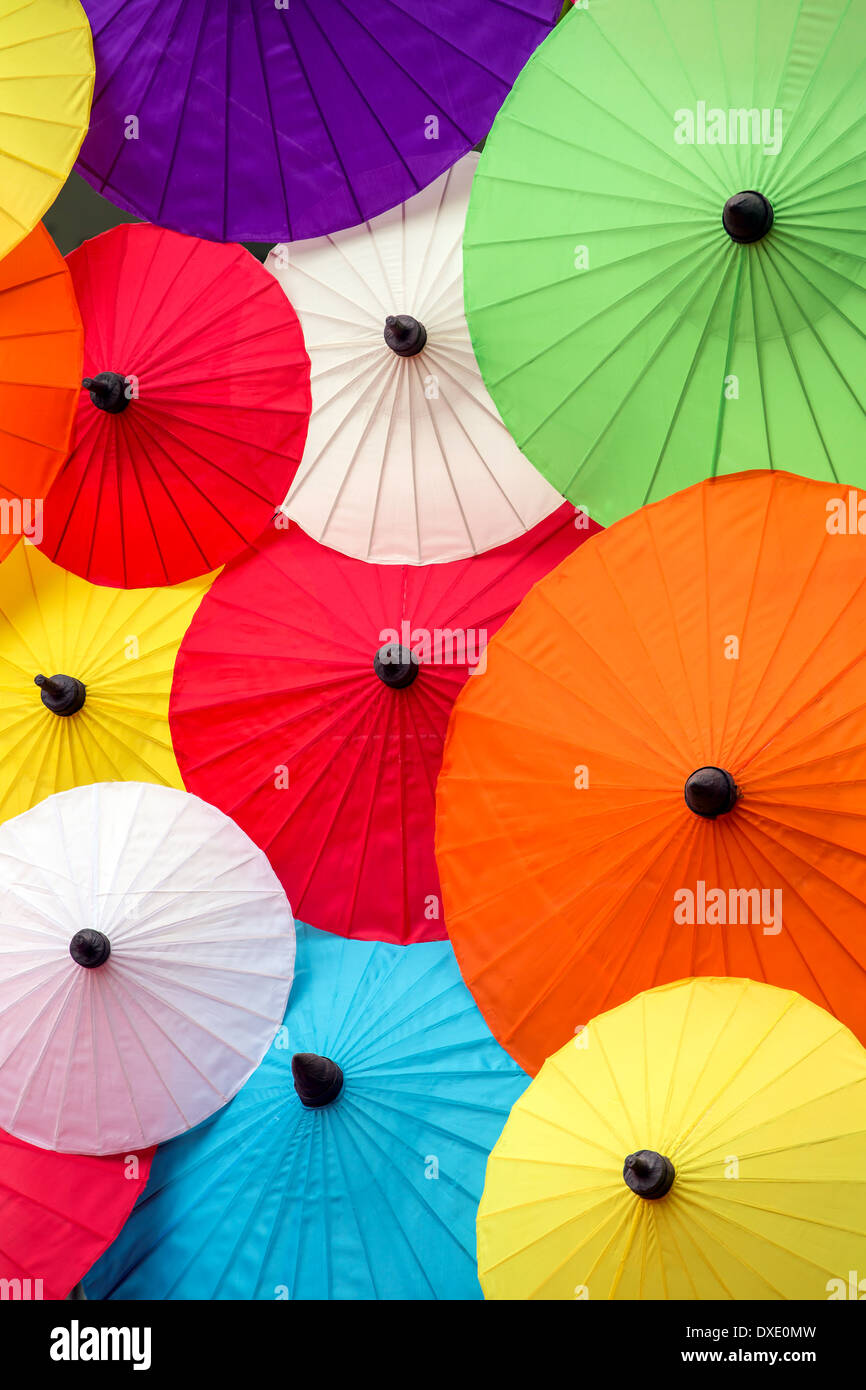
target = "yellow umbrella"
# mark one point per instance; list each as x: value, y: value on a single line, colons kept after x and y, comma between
x: 705, y: 1140
x: 103, y: 659
x: 46, y: 80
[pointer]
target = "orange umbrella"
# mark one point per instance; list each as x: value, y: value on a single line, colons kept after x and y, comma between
x: 662, y: 772
x: 41, y: 350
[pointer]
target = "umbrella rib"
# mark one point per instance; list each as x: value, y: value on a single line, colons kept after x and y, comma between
x: 803, y: 766
x: 724, y: 743
x: 135, y: 43
x: 68, y: 1218
x: 769, y: 657
x: 280, y: 723
x: 118, y: 991
x: 741, y: 1226
x: 619, y: 1218
x: 389, y: 377
x: 236, y: 1146
x: 523, y: 556
x: 374, y: 312
x: 794, y: 677
x: 120, y: 737
x: 394, y: 712
x: 697, y: 1246
x: 406, y: 1011
x: 65, y: 982
x: 793, y: 359
x: 448, y: 254
x: 357, y: 1005
x: 100, y: 659
x: 440, y: 362
x: 98, y: 425
x: 441, y: 39
x: 345, y: 1169
x: 687, y: 260
x: 314, y: 861
x: 164, y: 355
x: 681, y: 1143
x: 565, y: 968
x: 244, y: 1242
x: 426, y: 1206
x: 398, y: 379
x: 380, y: 1108
x: 150, y: 341
x: 800, y: 170
x: 170, y: 163
x: 543, y: 595
x: 689, y: 377
x: 455, y: 492
x: 727, y: 1119
x: 172, y: 460
x: 810, y: 870
x: 811, y: 326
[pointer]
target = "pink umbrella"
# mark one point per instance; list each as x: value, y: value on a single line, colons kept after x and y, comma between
x: 310, y: 702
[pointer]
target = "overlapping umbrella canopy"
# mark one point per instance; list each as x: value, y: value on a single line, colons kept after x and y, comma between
x: 407, y: 461
x: 196, y: 415
x: 703, y: 1141
x: 351, y: 1163
x: 665, y: 246
x: 41, y: 345
x: 310, y: 702
x: 107, y: 656
x: 258, y: 123
x: 146, y: 953
x: 660, y: 774
x: 59, y: 1212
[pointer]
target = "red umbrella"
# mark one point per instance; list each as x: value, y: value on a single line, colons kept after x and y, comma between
x: 196, y: 413
x: 310, y: 702
x: 59, y: 1213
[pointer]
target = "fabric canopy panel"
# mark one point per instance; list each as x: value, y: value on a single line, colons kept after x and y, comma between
x: 660, y: 774
x: 407, y: 461
x: 146, y: 954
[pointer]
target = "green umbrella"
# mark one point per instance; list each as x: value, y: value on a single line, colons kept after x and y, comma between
x: 664, y: 254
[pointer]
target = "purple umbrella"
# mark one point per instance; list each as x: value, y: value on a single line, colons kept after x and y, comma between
x: 273, y: 120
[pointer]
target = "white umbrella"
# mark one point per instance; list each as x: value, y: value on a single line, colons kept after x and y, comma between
x: 146, y: 956
x: 407, y: 460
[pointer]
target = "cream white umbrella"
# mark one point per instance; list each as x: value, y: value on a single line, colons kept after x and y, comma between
x: 146, y: 956
x: 407, y: 460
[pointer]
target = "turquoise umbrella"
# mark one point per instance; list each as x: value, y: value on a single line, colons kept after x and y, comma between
x: 351, y: 1164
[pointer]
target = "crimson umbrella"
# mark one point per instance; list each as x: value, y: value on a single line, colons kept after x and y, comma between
x: 275, y: 121
x: 310, y: 701
x: 59, y: 1212
x: 195, y: 413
